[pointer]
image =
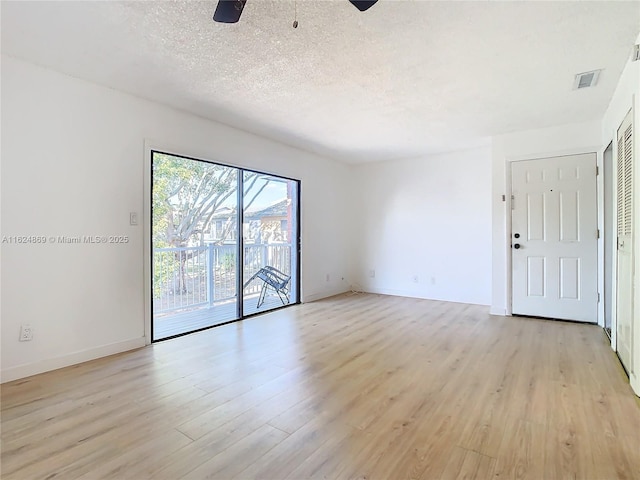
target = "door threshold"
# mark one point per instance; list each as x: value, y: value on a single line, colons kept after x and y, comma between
x: 582, y: 322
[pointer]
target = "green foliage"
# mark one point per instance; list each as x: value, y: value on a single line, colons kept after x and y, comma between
x: 228, y: 262
x: 165, y: 265
x: 185, y: 196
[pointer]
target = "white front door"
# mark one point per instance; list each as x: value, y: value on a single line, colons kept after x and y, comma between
x: 624, y: 202
x: 554, y: 238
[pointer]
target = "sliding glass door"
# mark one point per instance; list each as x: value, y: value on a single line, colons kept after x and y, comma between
x: 269, y: 226
x: 204, y: 272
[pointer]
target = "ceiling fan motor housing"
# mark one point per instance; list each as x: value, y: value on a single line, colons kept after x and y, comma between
x: 229, y: 11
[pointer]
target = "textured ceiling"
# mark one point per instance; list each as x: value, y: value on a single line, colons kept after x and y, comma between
x: 403, y: 79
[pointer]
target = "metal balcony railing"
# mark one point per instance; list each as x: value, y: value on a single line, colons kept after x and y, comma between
x: 191, y: 277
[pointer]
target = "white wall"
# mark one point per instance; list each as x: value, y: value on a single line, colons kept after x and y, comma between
x: 72, y: 164
x: 626, y: 96
x: 427, y: 217
x: 547, y: 142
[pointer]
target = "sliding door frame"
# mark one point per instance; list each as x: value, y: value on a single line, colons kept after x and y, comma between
x: 148, y: 241
x: 240, y: 246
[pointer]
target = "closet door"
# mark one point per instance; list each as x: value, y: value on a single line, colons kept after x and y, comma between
x: 624, y: 206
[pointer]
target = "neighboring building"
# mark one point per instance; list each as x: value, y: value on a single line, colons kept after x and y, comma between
x: 268, y: 225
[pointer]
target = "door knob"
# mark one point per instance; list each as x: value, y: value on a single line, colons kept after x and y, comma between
x: 516, y: 246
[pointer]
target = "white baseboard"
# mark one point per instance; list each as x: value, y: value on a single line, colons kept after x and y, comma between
x: 634, y: 380
x: 497, y: 311
x: 403, y: 293
x: 312, y: 297
x: 29, y: 369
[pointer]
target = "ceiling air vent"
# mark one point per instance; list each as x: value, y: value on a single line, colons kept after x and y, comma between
x: 586, y: 79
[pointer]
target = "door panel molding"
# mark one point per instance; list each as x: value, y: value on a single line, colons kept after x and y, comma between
x: 570, y: 278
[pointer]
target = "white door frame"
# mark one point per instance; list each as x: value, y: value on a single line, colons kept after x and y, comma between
x: 614, y: 252
x: 598, y: 151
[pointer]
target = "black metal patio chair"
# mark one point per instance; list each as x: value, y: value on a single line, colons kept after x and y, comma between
x: 274, y: 279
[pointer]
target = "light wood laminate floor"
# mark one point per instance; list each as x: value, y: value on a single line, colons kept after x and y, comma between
x: 355, y: 386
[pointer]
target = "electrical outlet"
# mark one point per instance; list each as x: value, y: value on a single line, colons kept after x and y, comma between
x: 26, y: 333
x: 328, y: 277
x: 416, y: 279
x: 133, y: 218
x: 372, y: 273
x: 433, y: 280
